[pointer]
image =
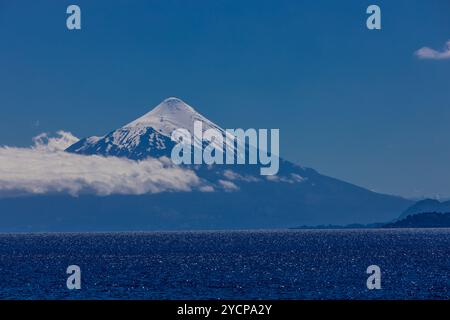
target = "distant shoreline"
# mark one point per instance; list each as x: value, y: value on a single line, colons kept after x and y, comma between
x: 426, y: 220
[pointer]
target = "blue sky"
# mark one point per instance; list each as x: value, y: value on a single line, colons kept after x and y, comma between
x: 352, y: 103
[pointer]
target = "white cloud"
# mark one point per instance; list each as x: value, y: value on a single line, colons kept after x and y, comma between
x: 231, y: 175
x: 228, y: 185
x: 206, y: 188
x: 292, y: 178
x: 428, y: 53
x: 45, y: 168
x: 62, y: 141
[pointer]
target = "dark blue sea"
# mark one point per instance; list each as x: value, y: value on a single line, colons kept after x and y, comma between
x: 293, y: 264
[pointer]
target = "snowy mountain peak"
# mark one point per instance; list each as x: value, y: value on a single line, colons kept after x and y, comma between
x: 171, y: 106
x: 149, y: 135
x: 169, y: 115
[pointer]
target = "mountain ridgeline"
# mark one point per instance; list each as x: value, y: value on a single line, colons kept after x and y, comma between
x: 427, y: 205
x: 295, y: 196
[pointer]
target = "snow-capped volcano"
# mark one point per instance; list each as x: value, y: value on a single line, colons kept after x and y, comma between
x: 238, y: 196
x: 149, y: 135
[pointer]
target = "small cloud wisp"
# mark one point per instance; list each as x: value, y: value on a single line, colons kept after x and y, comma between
x: 429, y: 53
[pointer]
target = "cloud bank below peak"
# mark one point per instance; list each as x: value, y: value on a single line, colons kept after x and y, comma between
x: 46, y: 168
x: 432, y: 54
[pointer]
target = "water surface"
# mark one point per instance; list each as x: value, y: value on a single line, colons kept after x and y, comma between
x: 291, y: 264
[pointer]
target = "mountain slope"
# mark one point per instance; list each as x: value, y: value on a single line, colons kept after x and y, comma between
x: 135, y: 143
